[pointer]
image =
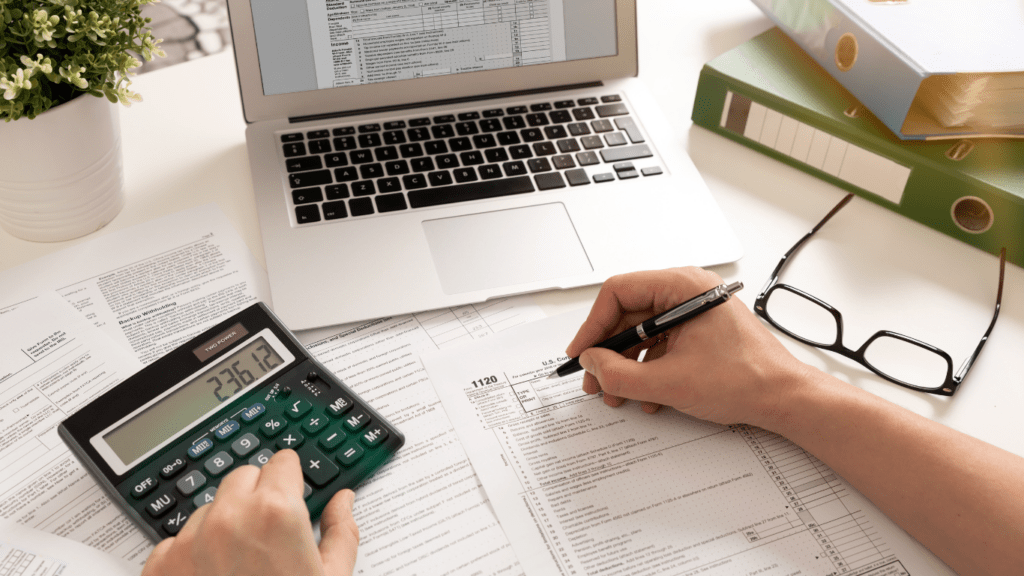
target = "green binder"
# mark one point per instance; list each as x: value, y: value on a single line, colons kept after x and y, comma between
x: 771, y: 96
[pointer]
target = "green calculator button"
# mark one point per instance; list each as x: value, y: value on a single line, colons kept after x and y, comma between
x: 205, y: 497
x: 218, y: 463
x: 350, y: 453
x: 297, y: 408
x: 339, y: 407
x: 332, y: 438
x: 374, y: 436
x: 291, y: 440
x: 313, y: 425
x: 272, y: 426
x: 261, y: 458
x: 317, y: 467
x: 356, y: 421
x: 244, y: 445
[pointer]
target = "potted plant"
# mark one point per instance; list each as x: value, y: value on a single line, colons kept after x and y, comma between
x: 64, y: 65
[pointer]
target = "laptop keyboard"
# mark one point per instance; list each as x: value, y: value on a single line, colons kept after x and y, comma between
x: 356, y: 171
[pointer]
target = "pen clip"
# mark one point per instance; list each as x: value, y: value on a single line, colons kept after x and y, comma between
x: 724, y: 292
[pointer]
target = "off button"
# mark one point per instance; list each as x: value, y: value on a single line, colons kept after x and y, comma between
x: 144, y: 487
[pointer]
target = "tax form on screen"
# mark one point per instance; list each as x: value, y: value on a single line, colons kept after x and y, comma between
x: 581, y: 488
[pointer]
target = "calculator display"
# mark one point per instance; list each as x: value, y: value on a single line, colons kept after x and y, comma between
x: 190, y: 401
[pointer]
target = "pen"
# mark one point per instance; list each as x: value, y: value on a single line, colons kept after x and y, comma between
x: 658, y: 324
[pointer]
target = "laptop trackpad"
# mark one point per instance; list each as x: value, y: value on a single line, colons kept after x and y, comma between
x: 505, y: 248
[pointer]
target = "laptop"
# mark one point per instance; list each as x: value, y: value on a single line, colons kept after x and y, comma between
x: 421, y: 154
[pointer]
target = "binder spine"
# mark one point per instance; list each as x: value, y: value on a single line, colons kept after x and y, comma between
x: 918, y: 188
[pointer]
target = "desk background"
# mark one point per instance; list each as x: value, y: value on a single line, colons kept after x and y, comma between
x: 185, y: 146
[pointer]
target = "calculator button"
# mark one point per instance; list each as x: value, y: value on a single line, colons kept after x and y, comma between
x: 261, y: 458
x: 339, y: 407
x: 291, y: 440
x: 349, y: 454
x: 244, y: 445
x: 355, y: 421
x: 189, y: 484
x: 297, y: 409
x: 161, y: 505
x: 144, y: 487
x: 172, y: 469
x: 272, y: 426
x: 253, y: 412
x: 332, y: 438
x: 307, y: 491
x: 227, y: 430
x: 317, y: 466
x: 314, y: 424
x: 220, y: 462
x: 200, y: 448
x: 175, y: 523
x: 374, y: 436
x: 205, y: 497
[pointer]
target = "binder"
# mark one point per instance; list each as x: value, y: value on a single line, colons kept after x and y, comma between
x: 769, y: 95
x: 931, y: 69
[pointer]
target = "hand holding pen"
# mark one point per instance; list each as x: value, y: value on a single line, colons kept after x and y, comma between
x: 714, y: 367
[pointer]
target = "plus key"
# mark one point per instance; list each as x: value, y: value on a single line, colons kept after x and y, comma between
x: 317, y: 467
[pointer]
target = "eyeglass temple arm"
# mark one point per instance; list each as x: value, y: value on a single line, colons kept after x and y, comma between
x: 962, y: 373
x: 785, y: 258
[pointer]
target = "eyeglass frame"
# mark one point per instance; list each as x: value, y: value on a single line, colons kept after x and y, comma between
x: 950, y: 384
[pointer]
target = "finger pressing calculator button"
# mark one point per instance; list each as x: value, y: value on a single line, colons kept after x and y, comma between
x: 332, y: 438
x: 297, y: 408
x: 314, y: 424
x: 189, y: 484
x: 205, y: 497
x: 261, y: 458
x: 253, y: 412
x: 244, y: 445
x: 161, y: 505
x: 175, y: 523
x: 220, y: 462
x: 227, y: 430
x: 172, y: 469
x: 290, y: 440
x: 374, y: 436
x: 200, y: 448
x: 272, y: 426
x: 144, y: 487
x: 350, y: 453
x: 317, y: 467
x: 339, y: 407
x: 356, y: 421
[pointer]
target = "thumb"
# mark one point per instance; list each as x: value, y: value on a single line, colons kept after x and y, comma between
x: 618, y: 375
x: 339, y: 535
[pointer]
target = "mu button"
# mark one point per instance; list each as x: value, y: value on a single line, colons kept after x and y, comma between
x: 317, y: 466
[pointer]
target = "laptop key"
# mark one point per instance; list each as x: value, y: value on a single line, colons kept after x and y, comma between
x: 602, y: 126
x: 292, y: 137
x: 514, y: 169
x: 442, y: 178
x: 494, y: 113
x: 344, y: 131
x: 388, y: 185
x: 465, y: 175
x: 446, y: 119
x: 336, y: 159
x: 513, y: 122
x: 422, y: 164
x: 555, y: 132
x: 544, y: 148
x: 628, y: 174
x: 549, y: 181
x: 436, y: 147
x: 337, y: 191
x: 482, y: 141
x: 364, y: 188
x: 561, y: 117
x: 386, y: 153
x: 419, y: 134
x: 568, y: 145
x: 509, y: 138
x: 490, y: 125
x: 467, y: 128
x: 520, y: 152
x: 305, y: 179
x: 460, y: 144
x: 587, y: 101
x: 579, y: 129
x: 516, y: 110
x: 496, y: 155
x: 345, y: 143
x: 307, y: 214
x: 303, y: 164
x: 366, y: 128
x: 631, y: 129
x: 592, y: 142
x: 587, y: 158
x: 397, y: 167
x: 394, y: 137
x: 410, y: 150
x: 335, y: 210
x: 539, y: 119
x: 360, y: 206
x: 369, y: 140
x: 602, y: 178
x: 469, y: 116
x: 609, y: 110
x: 307, y: 195
x: 542, y: 107
x: 577, y: 177
x: 652, y: 171
x: 294, y: 149
x: 490, y: 172
x: 442, y: 131
x: 391, y: 203
x: 611, y: 98
x: 583, y: 114
x: 396, y: 125
x: 563, y: 161
x: 414, y: 181
x: 539, y: 165
x: 419, y: 122
x: 615, y: 139
x: 368, y: 171
x: 319, y: 146
x: 470, y: 191
x: 361, y: 156
x: 627, y: 153
x: 532, y: 135
x: 563, y: 104
x: 471, y: 158
x: 346, y: 174
x: 447, y: 161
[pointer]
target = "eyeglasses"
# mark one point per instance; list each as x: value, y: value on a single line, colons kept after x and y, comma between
x: 896, y: 357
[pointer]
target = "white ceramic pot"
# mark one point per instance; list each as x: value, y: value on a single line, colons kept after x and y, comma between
x: 60, y: 173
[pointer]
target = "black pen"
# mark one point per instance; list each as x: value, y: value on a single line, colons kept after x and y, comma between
x: 658, y: 324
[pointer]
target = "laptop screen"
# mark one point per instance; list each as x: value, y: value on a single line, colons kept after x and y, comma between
x: 306, y: 45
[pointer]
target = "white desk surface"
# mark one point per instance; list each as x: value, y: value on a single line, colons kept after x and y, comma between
x: 185, y: 146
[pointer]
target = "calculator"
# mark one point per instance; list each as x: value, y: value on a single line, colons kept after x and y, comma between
x: 161, y: 441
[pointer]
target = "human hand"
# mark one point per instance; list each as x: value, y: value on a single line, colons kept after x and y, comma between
x: 723, y: 366
x: 259, y: 524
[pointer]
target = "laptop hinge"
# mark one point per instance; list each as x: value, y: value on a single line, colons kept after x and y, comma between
x: 363, y: 111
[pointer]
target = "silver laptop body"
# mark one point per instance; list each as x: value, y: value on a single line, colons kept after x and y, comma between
x: 346, y: 241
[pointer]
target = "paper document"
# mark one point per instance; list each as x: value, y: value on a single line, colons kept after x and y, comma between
x: 581, y: 488
x: 153, y: 286
x: 52, y: 362
x: 28, y: 552
x: 367, y: 41
x: 423, y: 512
